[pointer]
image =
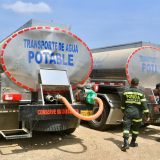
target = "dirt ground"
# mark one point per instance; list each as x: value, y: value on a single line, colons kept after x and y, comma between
x: 83, y: 144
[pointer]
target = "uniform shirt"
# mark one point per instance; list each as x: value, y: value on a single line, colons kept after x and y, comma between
x: 134, y: 99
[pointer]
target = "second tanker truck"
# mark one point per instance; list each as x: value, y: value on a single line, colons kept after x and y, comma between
x: 113, y: 69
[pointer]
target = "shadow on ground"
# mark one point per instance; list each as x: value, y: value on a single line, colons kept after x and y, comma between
x: 112, y: 128
x: 115, y: 141
x: 41, y: 141
x: 146, y: 132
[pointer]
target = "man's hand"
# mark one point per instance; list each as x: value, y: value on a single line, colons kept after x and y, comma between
x: 147, y: 119
x: 123, y: 114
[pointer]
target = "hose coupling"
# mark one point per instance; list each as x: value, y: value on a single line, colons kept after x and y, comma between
x: 58, y: 97
x: 94, y: 98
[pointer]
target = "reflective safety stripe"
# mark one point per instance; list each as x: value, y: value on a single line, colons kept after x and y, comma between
x: 125, y: 131
x: 137, y: 120
x: 122, y: 107
x: 137, y: 93
x: 135, y: 132
x: 133, y: 102
x: 143, y: 100
x: 146, y: 111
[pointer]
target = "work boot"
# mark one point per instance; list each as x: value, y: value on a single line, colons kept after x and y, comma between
x: 126, y: 145
x: 133, y: 144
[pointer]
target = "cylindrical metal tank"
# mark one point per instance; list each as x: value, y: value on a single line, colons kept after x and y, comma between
x: 26, y: 51
x: 125, y: 64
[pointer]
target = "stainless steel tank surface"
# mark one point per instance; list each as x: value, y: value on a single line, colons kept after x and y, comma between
x: 28, y: 50
x: 125, y: 64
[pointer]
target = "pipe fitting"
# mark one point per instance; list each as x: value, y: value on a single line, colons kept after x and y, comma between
x: 82, y: 87
x: 58, y: 97
x: 85, y: 91
x: 49, y: 98
x: 94, y: 98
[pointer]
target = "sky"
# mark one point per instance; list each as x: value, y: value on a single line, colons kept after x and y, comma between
x: 99, y: 23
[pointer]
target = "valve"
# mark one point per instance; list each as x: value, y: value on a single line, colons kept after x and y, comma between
x: 90, y: 98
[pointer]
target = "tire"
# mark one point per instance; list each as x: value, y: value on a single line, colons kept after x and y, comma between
x: 69, y: 131
x: 100, y: 123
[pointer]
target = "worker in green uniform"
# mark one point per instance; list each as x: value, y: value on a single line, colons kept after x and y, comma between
x: 133, y: 105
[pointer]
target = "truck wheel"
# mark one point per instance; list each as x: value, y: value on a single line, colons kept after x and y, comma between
x: 69, y: 131
x: 99, y: 123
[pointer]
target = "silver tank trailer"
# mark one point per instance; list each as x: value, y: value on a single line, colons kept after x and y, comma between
x: 113, y: 69
x: 125, y: 64
x: 29, y: 49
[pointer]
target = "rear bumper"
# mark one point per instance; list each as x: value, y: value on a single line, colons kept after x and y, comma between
x: 50, y: 111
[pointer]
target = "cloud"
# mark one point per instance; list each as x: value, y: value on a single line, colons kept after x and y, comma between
x: 28, y: 8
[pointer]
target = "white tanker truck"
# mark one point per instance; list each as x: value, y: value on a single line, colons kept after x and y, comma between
x: 44, y: 72
x: 113, y: 69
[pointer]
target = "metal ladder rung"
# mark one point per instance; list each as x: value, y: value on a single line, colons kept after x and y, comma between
x: 28, y: 135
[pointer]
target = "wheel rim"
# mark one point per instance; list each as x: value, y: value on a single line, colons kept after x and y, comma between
x: 99, y: 119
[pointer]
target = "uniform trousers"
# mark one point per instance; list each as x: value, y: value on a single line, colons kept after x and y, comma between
x: 129, y: 119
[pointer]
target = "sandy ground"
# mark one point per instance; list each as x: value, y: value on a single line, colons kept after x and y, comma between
x: 83, y: 144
